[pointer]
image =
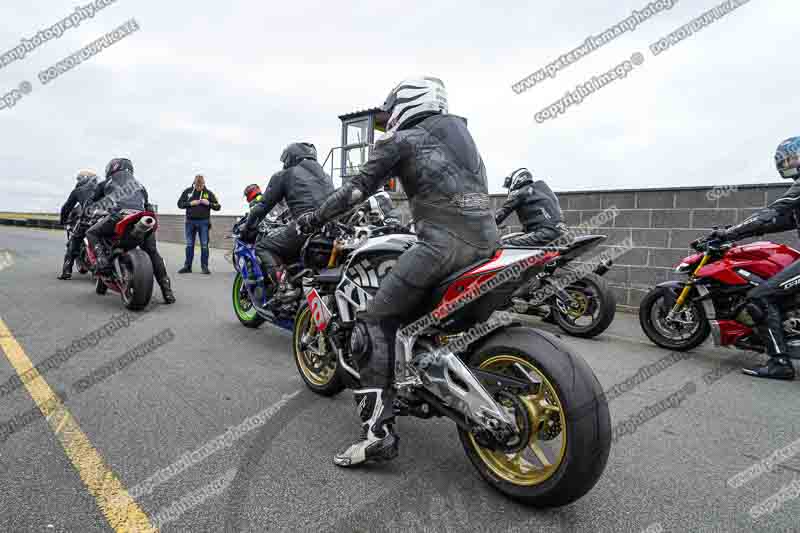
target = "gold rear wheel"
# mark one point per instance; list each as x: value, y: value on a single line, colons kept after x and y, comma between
x: 548, y: 442
x: 564, y: 426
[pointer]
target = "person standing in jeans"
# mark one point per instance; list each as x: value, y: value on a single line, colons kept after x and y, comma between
x: 198, y: 202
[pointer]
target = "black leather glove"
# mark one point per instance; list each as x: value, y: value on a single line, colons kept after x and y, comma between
x: 248, y: 235
x: 719, y: 234
x: 308, y: 223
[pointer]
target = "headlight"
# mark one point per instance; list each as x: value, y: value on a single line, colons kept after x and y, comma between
x: 683, y: 268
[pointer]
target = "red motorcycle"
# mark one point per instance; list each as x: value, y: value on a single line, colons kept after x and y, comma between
x: 131, y: 272
x: 680, y: 315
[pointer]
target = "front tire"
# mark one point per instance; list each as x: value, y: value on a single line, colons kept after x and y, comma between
x: 652, y: 318
x: 242, y: 306
x: 314, y: 356
x: 138, y: 270
x: 601, y: 301
x: 569, y: 415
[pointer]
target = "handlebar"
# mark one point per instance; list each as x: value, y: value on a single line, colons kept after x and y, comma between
x: 705, y: 244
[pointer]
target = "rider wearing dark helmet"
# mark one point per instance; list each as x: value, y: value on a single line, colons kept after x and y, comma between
x: 438, y: 164
x: 763, y: 301
x: 121, y: 192
x: 85, y: 184
x: 303, y: 185
x: 537, y: 209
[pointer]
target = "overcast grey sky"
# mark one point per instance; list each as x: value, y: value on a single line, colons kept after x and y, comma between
x: 222, y: 87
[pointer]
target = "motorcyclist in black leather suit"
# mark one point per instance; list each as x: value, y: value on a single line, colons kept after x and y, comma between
x: 537, y: 208
x: 85, y: 184
x: 121, y: 192
x: 781, y: 215
x: 436, y: 160
x: 303, y: 185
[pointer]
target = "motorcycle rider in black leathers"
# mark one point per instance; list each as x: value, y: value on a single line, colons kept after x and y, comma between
x: 303, y: 185
x: 763, y: 301
x: 121, y: 192
x: 537, y: 208
x: 85, y: 184
x: 438, y: 164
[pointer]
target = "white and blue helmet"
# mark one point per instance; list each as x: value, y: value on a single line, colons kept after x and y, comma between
x: 787, y: 158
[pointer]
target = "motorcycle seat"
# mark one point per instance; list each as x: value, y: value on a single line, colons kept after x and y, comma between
x: 577, y: 247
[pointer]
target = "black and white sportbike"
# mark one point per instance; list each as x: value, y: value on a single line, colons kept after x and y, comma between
x: 530, y: 413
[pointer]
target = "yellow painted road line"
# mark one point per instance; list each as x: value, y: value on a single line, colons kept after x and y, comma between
x: 121, y: 511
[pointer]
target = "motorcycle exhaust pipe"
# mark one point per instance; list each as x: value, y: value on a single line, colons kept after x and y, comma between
x: 141, y: 228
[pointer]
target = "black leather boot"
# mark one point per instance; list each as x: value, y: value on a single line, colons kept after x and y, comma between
x: 770, y: 329
x: 776, y: 368
x: 66, y: 269
x: 166, y: 291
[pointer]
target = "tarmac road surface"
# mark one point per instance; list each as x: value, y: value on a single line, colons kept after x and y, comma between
x: 259, y: 445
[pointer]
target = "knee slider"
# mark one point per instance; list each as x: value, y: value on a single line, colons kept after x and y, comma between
x: 360, y: 343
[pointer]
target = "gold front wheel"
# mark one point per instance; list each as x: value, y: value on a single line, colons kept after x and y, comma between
x: 315, y: 356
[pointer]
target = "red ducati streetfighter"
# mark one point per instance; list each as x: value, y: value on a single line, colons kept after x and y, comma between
x: 131, y: 269
x: 680, y: 315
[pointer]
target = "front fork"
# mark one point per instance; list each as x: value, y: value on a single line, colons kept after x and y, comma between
x: 678, y: 307
x: 252, y: 278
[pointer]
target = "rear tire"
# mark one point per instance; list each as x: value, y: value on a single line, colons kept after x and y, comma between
x: 570, y: 385
x: 322, y: 380
x: 608, y: 308
x: 648, y: 307
x: 140, y: 287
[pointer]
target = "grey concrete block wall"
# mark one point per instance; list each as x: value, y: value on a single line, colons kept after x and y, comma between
x: 171, y: 229
x: 660, y: 222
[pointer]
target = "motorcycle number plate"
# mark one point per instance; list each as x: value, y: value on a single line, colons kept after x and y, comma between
x: 319, y: 311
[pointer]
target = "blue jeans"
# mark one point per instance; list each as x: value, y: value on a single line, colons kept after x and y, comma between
x: 193, y: 227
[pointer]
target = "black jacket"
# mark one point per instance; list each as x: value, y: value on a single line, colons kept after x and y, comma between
x: 442, y: 174
x: 80, y: 195
x: 199, y: 211
x: 781, y: 215
x: 304, y: 187
x: 121, y: 191
x: 536, y: 206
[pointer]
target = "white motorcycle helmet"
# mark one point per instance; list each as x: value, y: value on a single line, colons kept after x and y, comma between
x: 411, y: 98
x: 517, y: 179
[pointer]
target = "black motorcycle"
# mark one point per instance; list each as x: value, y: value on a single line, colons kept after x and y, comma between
x: 580, y: 303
